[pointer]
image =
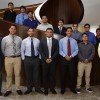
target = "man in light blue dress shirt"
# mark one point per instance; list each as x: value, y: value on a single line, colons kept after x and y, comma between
x: 22, y: 16
x: 30, y: 55
x: 68, y: 50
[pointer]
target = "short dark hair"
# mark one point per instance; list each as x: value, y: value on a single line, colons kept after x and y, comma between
x: 98, y: 29
x: 75, y: 24
x: 43, y: 16
x: 13, y: 25
x: 22, y: 7
x: 61, y: 20
x: 49, y: 29
x: 69, y: 28
x: 30, y: 11
x: 87, y: 25
x: 10, y: 3
x: 85, y: 34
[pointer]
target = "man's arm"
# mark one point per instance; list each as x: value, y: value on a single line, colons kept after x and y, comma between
x: 56, y: 50
x: 23, y: 50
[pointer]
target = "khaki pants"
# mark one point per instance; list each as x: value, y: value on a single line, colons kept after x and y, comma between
x: 81, y: 68
x: 13, y: 64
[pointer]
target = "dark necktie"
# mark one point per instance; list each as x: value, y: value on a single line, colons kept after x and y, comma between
x: 22, y: 18
x: 32, y: 48
x: 69, y: 48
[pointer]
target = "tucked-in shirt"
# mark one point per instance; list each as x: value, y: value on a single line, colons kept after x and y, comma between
x: 10, y: 16
x: 63, y: 45
x: 97, y: 40
x: 77, y: 35
x: 19, y: 18
x: 7, y: 46
x: 26, y: 47
x: 86, y: 51
x: 30, y: 23
x: 49, y: 44
x: 92, y: 38
x: 43, y: 26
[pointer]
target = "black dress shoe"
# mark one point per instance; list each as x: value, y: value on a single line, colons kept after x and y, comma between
x: 39, y: 91
x: 7, y: 93
x: 53, y: 91
x: 19, y: 92
x: 28, y: 91
x: 46, y: 92
x: 62, y: 91
x: 0, y: 93
x: 74, y: 91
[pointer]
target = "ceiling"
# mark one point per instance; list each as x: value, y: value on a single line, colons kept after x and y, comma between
x: 91, y: 7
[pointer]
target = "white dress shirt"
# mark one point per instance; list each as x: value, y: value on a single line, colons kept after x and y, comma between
x: 49, y: 44
x: 99, y: 50
x: 26, y: 47
x: 43, y: 26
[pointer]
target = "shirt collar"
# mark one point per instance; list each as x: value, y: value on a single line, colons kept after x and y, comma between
x: 45, y: 23
x: 85, y: 43
x: 49, y: 38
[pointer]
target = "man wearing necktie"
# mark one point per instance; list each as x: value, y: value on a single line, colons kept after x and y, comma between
x: 68, y: 50
x: 60, y: 29
x: 30, y: 55
x: 49, y: 49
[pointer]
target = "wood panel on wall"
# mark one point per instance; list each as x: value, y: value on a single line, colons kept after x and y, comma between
x: 72, y: 11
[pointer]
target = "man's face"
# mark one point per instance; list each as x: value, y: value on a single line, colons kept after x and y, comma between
x: 12, y: 30
x: 23, y: 10
x: 85, y: 37
x: 49, y: 33
x: 44, y: 19
x: 10, y: 6
x: 98, y: 32
x: 87, y: 28
x: 69, y: 32
x: 31, y: 32
x: 30, y: 15
x: 75, y: 27
x: 60, y: 23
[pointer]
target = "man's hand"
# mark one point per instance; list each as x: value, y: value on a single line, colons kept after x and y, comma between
x: 48, y: 61
x: 68, y: 58
x: 86, y: 61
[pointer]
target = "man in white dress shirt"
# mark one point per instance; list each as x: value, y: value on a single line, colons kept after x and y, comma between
x: 44, y: 25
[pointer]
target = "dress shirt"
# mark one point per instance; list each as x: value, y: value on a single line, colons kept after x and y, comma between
x: 63, y: 47
x: 49, y: 44
x: 99, y: 50
x: 10, y: 16
x: 1, y: 55
x: 26, y: 47
x: 19, y: 18
x: 77, y: 35
x: 7, y: 46
x: 92, y: 38
x: 86, y: 51
x: 30, y: 23
x: 43, y: 26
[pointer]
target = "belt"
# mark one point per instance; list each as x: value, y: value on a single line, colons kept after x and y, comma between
x: 32, y: 57
x: 13, y: 56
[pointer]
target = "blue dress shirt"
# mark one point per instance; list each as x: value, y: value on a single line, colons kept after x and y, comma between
x: 63, y: 44
x: 92, y: 38
x: 30, y: 23
x: 26, y: 47
x: 19, y: 18
x: 77, y: 35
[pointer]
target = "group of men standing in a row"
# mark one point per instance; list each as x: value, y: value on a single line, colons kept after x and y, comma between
x: 14, y: 48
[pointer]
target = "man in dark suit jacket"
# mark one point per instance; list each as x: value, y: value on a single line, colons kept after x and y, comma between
x: 60, y: 29
x: 49, y: 49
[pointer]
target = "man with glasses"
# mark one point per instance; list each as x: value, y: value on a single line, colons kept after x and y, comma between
x: 91, y: 35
